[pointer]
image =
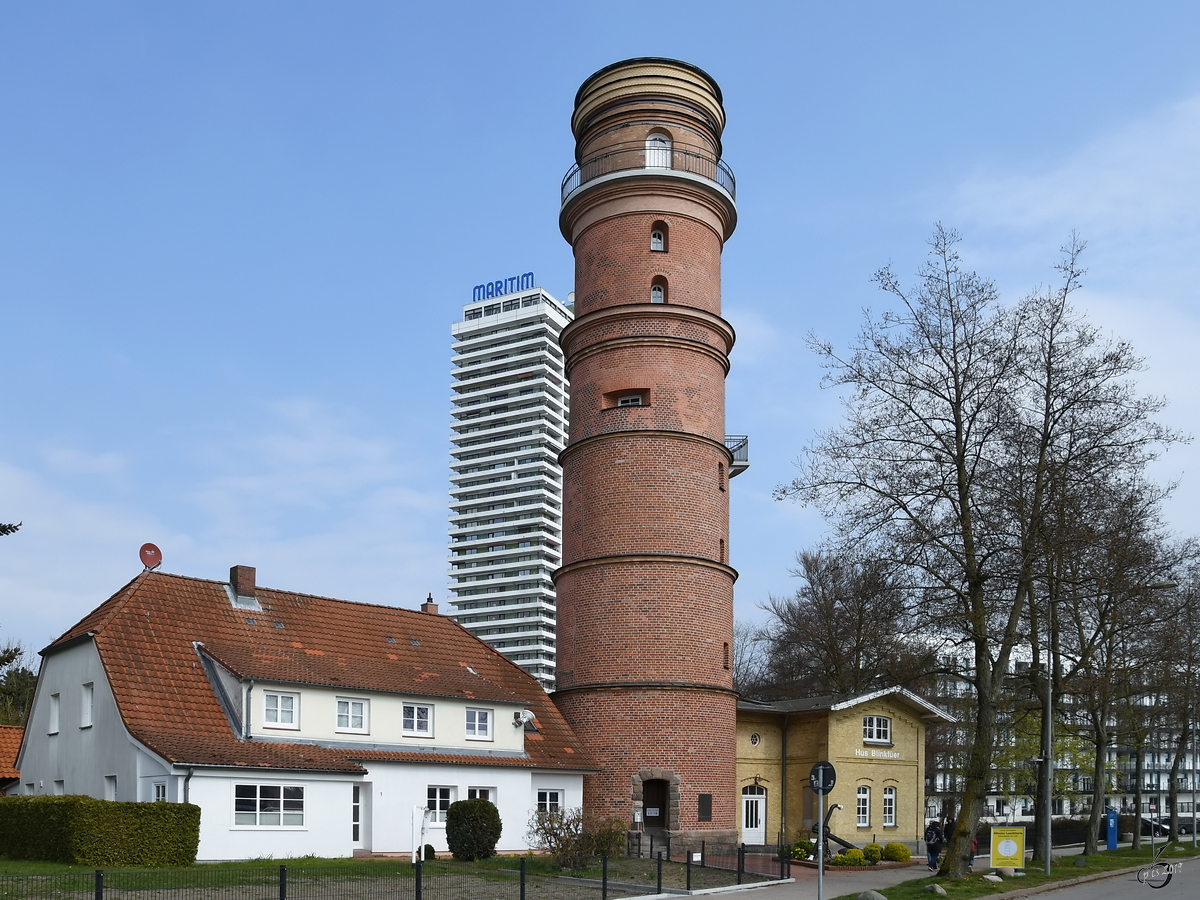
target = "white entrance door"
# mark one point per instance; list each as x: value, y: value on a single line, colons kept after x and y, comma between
x: 754, y: 815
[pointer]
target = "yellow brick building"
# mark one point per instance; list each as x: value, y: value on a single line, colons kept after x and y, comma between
x: 876, y: 743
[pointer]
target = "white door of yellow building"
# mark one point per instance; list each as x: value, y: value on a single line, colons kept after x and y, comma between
x: 754, y: 814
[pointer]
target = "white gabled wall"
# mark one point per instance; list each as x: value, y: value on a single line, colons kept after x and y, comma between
x: 78, y: 756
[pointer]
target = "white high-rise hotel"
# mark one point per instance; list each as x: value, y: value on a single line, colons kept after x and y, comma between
x: 510, y: 423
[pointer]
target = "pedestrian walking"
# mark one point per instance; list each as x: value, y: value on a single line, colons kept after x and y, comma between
x: 933, y: 843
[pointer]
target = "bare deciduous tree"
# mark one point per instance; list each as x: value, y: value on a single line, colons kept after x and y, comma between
x: 964, y: 421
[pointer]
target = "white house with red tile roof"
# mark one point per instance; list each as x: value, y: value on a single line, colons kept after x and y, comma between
x: 299, y: 724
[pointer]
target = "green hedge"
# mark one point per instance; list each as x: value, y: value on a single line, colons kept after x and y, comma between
x: 99, y: 833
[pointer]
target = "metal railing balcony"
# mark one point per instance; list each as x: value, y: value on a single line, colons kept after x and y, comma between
x: 634, y: 156
x: 739, y: 446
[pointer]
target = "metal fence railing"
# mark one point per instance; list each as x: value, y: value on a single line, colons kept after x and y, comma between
x: 636, y: 156
x: 668, y: 868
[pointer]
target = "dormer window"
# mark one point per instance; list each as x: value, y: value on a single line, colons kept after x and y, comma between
x: 877, y: 730
x: 281, y: 710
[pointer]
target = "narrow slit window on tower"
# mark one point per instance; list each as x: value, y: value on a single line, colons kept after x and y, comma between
x: 658, y: 236
x: 722, y: 550
x: 725, y: 655
x: 721, y: 476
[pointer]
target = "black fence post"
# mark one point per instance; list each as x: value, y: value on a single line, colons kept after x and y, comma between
x: 689, y: 871
x: 603, y: 876
x: 741, y: 862
x: 668, y: 846
x: 781, y: 862
x: 99, y: 884
x: 283, y: 883
x: 640, y: 845
x: 658, y: 890
x: 703, y: 855
x: 651, y: 845
x: 522, y: 878
x: 417, y: 887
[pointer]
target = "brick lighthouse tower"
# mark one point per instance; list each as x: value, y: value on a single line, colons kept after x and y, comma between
x: 645, y: 592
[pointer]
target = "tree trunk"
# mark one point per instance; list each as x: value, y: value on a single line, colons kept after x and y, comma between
x: 978, y: 775
x: 1137, y: 798
x: 1100, y: 735
x: 1173, y: 787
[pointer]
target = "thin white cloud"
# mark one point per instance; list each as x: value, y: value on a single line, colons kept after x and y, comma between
x: 1134, y: 196
x: 310, y: 496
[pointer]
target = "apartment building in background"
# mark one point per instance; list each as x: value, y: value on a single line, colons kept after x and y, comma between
x: 509, y: 409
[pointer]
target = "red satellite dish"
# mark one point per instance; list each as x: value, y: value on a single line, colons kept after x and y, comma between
x: 151, y: 556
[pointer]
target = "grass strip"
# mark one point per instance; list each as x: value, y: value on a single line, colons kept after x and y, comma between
x: 1063, y: 868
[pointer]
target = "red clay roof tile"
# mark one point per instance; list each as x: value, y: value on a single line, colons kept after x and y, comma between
x: 146, y: 635
x: 10, y: 745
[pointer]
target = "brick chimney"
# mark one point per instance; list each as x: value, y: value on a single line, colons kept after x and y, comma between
x: 429, y: 606
x: 241, y: 579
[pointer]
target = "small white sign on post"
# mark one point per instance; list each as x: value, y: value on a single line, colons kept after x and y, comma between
x: 696, y: 856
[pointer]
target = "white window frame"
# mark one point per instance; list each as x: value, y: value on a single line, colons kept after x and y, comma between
x: 55, y: 712
x: 87, y: 698
x: 658, y: 241
x: 411, y: 730
x: 482, y: 793
x: 275, y: 809
x: 889, y: 807
x: 278, y: 708
x: 549, y: 799
x: 862, y: 806
x: 877, y: 730
x: 160, y: 792
x: 630, y: 400
x: 363, y: 715
x: 479, y: 724
x: 657, y: 294
x: 438, y: 803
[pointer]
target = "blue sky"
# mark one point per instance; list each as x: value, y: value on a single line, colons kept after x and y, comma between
x: 233, y: 238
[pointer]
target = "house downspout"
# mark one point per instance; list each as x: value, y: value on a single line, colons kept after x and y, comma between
x: 783, y: 785
x: 187, y: 784
x: 249, y: 682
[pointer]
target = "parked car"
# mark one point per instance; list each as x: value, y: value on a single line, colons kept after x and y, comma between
x: 1158, y: 826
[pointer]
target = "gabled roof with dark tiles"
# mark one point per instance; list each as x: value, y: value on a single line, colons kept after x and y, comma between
x: 146, y: 636
x: 10, y: 745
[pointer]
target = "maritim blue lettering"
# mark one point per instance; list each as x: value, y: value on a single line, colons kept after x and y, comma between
x: 502, y: 286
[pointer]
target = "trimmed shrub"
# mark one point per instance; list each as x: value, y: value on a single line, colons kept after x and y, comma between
x: 894, y: 851
x: 802, y: 850
x: 472, y: 829
x: 100, y: 833
x: 430, y: 853
x: 851, y: 857
x: 873, y: 853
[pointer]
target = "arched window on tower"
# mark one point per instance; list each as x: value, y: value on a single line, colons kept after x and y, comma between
x: 658, y: 237
x: 658, y: 151
x: 658, y: 290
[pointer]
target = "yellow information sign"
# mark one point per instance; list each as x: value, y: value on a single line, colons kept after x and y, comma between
x: 1008, y: 847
